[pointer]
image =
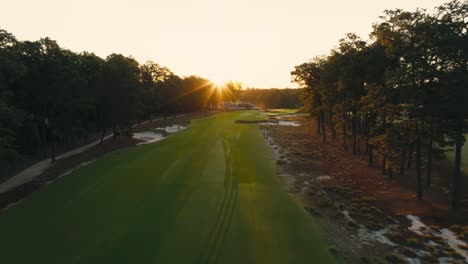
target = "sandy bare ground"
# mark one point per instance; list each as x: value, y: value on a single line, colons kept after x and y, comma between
x: 380, y: 218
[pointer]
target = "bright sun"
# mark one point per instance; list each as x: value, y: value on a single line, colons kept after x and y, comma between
x: 218, y: 84
x: 218, y: 81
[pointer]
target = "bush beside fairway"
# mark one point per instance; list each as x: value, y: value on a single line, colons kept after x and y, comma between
x: 208, y: 194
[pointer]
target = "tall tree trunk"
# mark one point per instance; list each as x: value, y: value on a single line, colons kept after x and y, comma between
x: 344, y: 132
x: 457, y: 172
x: 43, y: 136
x: 102, y: 136
x: 370, y: 156
x: 349, y: 120
x: 354, y: 126
x: 367, y: 134
x: 418, y: 162
x: 322, y: 117
x: 402, y: 161
x: 332, y: 125
x: 38, y: 142
x: 429, y: 158
x: 114, y: 131
x: 410, y: 155
x: 318, y: 125
x: 384, y: 164
x: 333, y: 130
x: 52, y: 137
x: 324, y: 137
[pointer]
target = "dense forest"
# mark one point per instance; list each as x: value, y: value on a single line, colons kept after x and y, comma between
x: 272, y: 98
x: 403, y: 94
x: 51, y: 97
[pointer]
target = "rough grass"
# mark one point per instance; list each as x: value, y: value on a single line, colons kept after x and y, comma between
x: 208, y: 194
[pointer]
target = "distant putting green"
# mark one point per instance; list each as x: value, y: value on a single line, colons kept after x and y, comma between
x: 284, y: 111
x: 208, y: 194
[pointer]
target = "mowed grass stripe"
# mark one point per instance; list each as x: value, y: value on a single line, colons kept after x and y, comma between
x: 186, y: 199
x: 211, y: 251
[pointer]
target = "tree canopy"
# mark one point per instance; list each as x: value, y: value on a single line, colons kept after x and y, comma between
x: 52, y: 97
x: 403, y: 93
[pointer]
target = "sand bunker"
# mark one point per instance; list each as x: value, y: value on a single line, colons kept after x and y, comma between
x: 151, y: 136
x: 280, y: 123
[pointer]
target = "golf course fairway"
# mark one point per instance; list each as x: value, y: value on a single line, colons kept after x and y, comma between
x: 208, y: 194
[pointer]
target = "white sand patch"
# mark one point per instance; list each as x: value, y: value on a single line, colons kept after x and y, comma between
x: 450, y: 237
x: 148, y: 137
x: 294, y: 115
x: 280, y: 123
x: 452, y: 240
x: 348, y: 216
x: 413, y: 260
x: 174, y: 128
x: 445, y: 260
x: 323, y: 178
x: 416, y: 224
x: 380, y: 235
x: 422, y: 252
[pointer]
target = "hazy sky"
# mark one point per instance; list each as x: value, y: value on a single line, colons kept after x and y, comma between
x: 256, y: 42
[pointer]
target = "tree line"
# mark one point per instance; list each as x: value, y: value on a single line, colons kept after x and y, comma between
x: 401, y: 96
x: 272, y: 98
x: 52, y: 97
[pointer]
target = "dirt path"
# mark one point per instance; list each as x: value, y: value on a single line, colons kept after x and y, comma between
x: 29, y: 174
x: 37, y: 169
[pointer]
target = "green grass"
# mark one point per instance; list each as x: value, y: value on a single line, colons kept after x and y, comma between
x: 208, y: 194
